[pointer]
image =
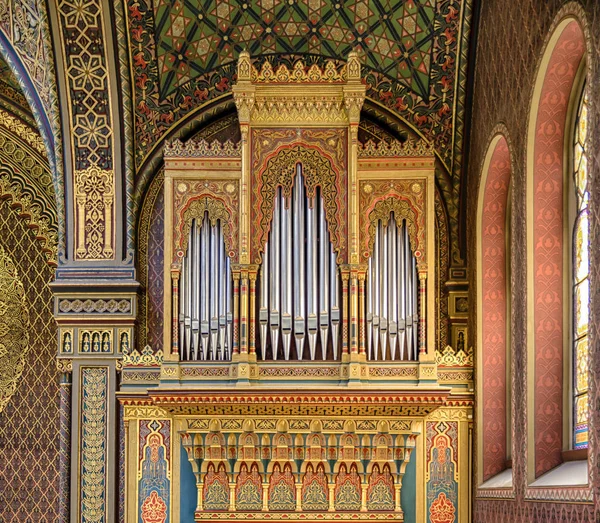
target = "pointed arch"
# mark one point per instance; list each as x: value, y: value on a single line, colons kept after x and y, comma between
x: 547, y: 242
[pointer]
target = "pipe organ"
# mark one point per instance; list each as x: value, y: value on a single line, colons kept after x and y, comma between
x: 299, y: 378
x: 299, y: 281
x: 205, y: 307
x: 392, y: 308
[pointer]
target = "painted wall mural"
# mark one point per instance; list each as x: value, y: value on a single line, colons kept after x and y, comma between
x: 442, y: 471
x: 155, y: 471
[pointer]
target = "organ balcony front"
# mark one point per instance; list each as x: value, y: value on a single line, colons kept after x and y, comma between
x: 299, y: 254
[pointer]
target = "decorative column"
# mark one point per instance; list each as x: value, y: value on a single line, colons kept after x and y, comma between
x: 235, y: 272
x: 362, y: 276
x: 345, y: 272
x: 95, y: 292
x: 65, y: 367
x: 422, y: 312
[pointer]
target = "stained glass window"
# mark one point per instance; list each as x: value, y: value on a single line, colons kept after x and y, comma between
x: 581, y: 282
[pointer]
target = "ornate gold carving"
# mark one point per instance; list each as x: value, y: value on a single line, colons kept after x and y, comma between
x: 299, y: 108
x: 451, y: 414
x: 379, y: 198
x: 45, y: 228
x: 393, y: 371
x: 195, y: 211
x: 451, y: 358
x: 96, y: 341
x: 322, y: 154
x: 147, y: 358
x: 454, y: 375
x: 409, y: 148
x: 14, y: 328
x: 64, y: 365
x: 300, y: 73
x: 66, y: 340
x: 331, y: 95
x: 143, y: 411
x: 95, y: 306
x: 22, y: 131
x: 94, y: 215
x: 192, y: 198
x: 202, y: 149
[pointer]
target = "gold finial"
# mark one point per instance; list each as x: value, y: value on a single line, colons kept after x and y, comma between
x: 353, y: 67
x: 244, y: 66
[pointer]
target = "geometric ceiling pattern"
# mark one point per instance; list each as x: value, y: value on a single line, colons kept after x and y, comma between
x: 395, y: 36
x: 182, y: 55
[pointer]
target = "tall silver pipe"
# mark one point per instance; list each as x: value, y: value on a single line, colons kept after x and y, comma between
x: 221, y: 281
x: 392, y: 296
x: 286, y: 278
x: 182, y: 291
x: 415, y: 308
x: 214, y: 295
x: 204, y: 295
x: 376, y: 289
x: 369, y: 308
x: 299, y: 282
x: 275, y: 282
x: 229, y: 309
x: 336, y: 316
x: 311, y: 277
x: 324, y: 248
x: 188, y: 293
x: 402, y: 293
x: 383, y: 282
x: 195, y: 285
x: 263, y: 313
x: 409, y: 291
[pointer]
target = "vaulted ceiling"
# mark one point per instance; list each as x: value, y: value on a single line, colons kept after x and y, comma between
x: 173, y: 62
x: 183, y: 55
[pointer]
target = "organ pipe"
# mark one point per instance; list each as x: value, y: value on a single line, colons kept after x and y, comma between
x: 392, y: 290
x: 299, y: 278
x: 206, y: 311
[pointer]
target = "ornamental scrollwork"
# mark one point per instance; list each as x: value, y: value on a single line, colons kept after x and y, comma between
x: 402, y: 211
x: 216, y: 211
x: 318, y: 171
x: 94, y: 202
x: 220, y: 198
x: 300, y: 73
x: 406, y: 199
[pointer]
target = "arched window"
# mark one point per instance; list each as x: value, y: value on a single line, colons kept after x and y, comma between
x: 580, y: 281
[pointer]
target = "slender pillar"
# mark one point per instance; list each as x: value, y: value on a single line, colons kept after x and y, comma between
x: 244, y: 311
x: 236, y: 308
x: 422, y: 312
x: 353, y: 312
x: 64, y: 485
x: 345, y: 330
x: 175, y: 315
x: 361, y: 313
x: 252, y: 274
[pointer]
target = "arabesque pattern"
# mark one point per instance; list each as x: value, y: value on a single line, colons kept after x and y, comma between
x: 29, y: 475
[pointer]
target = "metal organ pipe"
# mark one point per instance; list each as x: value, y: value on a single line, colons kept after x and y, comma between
x: 392, y: 290
x: 299, y: 277
x: 206, y: 313
x: 275, y: 283
x: 299, y: 272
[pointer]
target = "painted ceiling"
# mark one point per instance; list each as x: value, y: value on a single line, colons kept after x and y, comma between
x: 183, y: 53
x: 396, y: 37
